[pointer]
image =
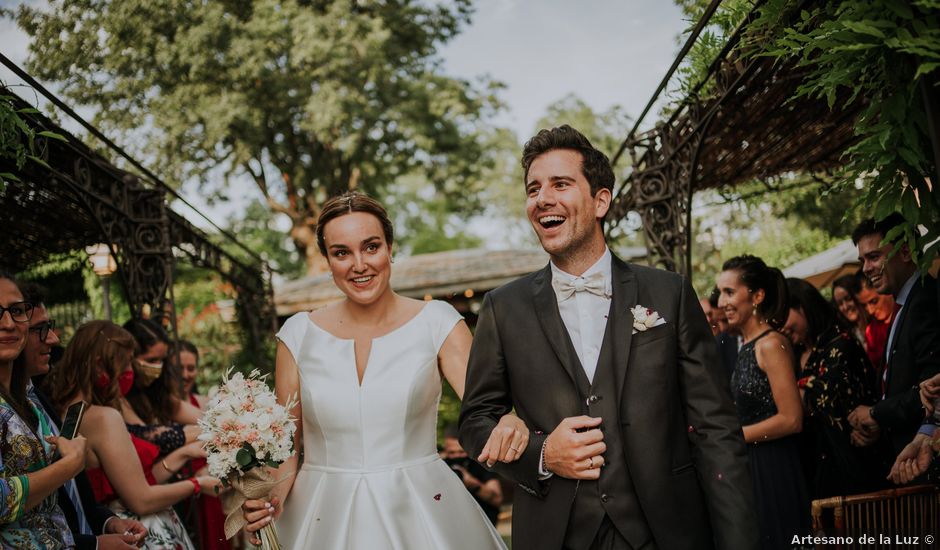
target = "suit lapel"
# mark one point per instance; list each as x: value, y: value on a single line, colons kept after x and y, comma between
x: 901, y: 320
x: 546, y: 309
x: 620, y: 323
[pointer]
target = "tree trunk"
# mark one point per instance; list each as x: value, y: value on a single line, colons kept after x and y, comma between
x: 305, y: 239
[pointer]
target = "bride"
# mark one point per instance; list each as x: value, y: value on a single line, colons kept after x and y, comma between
x: 367, y: 372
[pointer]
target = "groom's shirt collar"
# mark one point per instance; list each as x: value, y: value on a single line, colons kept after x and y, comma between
x: 602, y: 265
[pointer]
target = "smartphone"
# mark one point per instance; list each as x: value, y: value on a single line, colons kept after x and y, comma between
x: 73, y: 419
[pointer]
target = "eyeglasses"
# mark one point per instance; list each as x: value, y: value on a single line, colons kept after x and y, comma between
x: 43, y: 329
x: 20, y: 312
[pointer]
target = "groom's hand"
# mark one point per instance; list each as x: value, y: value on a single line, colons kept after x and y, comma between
x: 574, y: 448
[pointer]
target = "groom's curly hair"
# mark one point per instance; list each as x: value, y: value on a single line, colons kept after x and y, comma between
x: 594, y: 164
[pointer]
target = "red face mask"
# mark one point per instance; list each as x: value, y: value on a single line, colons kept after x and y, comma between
x: 125, y: 381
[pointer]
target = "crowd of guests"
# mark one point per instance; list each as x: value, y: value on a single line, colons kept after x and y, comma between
x: 835, y: 397
x: 134, y: 467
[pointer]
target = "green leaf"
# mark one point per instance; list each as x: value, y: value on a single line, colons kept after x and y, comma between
x: 245, y: 456
x: 38, y: 161
x: 864, y: 27
x: 926, y: 68
x: 900, y: 8
x: 52, y: 135
x: 909, y: 157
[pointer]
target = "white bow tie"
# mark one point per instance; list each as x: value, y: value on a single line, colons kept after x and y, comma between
x: 593, y: 283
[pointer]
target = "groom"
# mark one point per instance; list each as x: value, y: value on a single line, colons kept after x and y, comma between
x: 635, y: 442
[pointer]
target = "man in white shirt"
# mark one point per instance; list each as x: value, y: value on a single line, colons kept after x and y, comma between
x: 635, y: 442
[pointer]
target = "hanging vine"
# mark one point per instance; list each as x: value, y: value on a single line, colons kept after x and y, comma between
x: 885, y: 53
x: 17, y: 139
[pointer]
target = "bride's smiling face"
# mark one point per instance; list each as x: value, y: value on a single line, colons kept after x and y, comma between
x: 359, y: 256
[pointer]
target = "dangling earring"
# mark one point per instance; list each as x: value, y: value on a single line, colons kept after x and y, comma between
x: 391, y: 259
x: 329, y: 274
x: 759, y: 320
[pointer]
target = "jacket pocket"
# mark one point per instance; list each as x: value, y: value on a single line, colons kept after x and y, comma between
x: 654, y: 334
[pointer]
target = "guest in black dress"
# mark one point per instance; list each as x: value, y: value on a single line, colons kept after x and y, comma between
x: 754, y: 297
x: 836, y: 376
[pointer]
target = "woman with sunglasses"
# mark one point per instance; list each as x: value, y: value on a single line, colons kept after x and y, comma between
x: 31, y: 469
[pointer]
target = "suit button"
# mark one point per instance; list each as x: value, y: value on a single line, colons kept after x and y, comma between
x: 604, y: 497
x: 593, y: 399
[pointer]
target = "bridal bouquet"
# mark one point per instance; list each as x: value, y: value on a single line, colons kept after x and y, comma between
x: 245, y: 431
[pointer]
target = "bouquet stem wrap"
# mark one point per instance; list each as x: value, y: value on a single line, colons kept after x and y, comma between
x: 253, y: 484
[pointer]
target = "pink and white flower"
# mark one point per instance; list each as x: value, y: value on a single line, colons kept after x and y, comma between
x: 645, y: 318
x: 243, y: 419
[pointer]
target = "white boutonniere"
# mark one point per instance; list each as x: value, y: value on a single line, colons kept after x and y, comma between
x: 645, y: 318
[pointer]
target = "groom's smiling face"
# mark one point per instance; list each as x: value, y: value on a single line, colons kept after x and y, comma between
x: 559, y: 204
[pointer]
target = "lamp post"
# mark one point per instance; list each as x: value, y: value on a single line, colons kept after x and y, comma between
x: 103, y: 264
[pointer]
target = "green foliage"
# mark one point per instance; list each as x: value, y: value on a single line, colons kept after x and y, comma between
x: 881, y: 53
x: 751, y: 227
x: 726, y: 19
x: 448, y: 411
x: 256, y: 227
x: 18, y: 139
x: 606, y: 130
x: 198, y: 293
x: 425, y: 220
x: 305, y: 99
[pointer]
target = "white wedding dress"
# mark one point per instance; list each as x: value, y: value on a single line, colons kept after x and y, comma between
x: 371, y: 478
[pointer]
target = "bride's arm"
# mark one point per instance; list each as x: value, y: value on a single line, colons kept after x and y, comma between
x: 259, y: 513
x: 510, y: 436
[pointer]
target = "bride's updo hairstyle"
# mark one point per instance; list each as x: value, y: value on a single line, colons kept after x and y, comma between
x: 347, y: 203
x: 755, y: 274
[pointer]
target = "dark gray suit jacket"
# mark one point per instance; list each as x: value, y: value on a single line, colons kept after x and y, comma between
x: 914, y: 356
x: 681, y: 436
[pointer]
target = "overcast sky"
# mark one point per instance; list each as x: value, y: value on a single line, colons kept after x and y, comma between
x: 606, y: 52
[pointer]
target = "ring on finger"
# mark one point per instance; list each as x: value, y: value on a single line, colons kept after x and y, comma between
x: 592, y: 463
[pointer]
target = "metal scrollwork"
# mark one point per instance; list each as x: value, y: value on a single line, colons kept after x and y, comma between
x: 98, y: 202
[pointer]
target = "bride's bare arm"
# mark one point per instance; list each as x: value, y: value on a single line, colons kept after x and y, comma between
x: 510, y: 436
x: 453, y: 356
x: 259, y: 513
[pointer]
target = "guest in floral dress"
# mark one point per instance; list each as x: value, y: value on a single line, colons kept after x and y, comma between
x: 31, y: 469
x: 835, y: 377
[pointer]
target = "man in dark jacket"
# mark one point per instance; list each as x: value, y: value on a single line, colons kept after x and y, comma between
x: 912, y: 353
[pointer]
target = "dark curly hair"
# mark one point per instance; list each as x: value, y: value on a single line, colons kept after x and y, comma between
x: 594, y: 164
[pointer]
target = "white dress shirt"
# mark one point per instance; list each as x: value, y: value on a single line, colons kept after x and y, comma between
x: 585, y: 313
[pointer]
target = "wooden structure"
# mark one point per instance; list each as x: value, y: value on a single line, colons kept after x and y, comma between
x: 906, y: 512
